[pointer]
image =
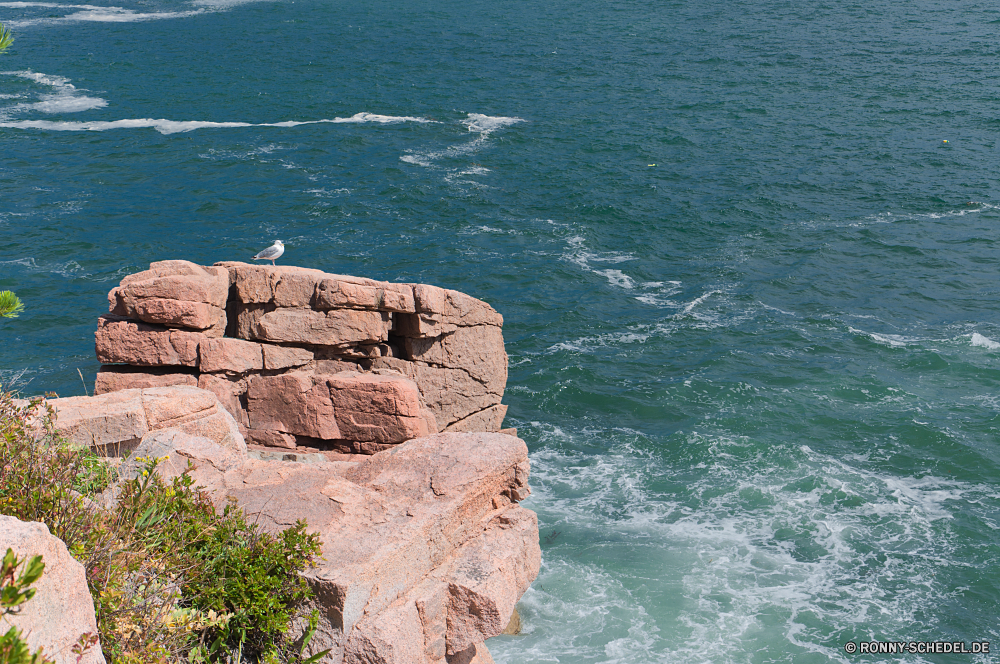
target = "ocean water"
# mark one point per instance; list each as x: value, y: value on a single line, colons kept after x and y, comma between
x: 746, y: 251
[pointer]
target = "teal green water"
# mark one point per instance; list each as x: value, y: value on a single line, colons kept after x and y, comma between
x: 749, y: 290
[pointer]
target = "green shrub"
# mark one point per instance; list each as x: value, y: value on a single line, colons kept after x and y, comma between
x: 15, y: 591
x: 172, y: 578
x: 10, y: 305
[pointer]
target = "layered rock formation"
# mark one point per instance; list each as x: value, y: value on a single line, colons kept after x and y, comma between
x: 302, y: 358
x: 425, y: 547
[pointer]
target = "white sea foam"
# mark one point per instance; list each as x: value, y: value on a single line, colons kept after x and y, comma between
x: 893, y: 217
x: 67, y: 103
x: 689, y: 307
x: 46, y: 5
x: 177, y: 126
x: 617, y: 278
x: 578, y: 254
x: 122, y: 15
x: 985, y: 342
x: 486, y: 125
x: 114, y: 14
x: 743, y: 559
x: 592, y: 343
x: 483, y: 125
x: 892, y: 340
x: 63, y: 98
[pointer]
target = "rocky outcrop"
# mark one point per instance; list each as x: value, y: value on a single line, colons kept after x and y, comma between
x: 425, y: 547
x: 62, y: 609
x: 302, y: 358
x: 116, y: 422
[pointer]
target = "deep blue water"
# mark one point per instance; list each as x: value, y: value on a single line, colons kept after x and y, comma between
x: 746, y: 253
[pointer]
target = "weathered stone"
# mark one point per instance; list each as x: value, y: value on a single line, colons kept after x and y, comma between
x: 478, y: 350
x: 292, y: 403
x: 180, y: 313
x: 338, y: 293
x: 477, y: 653
x: 398, y: 297
x: 321, y: 366
x: 393, y: 636
x: 113, y: 378
x: 431, y: 600
x: 231, y: 355
x: 389, y: 394
x: 387, y: 522
x: 488, y: 575
x: 193, y: 411
x: 421, y: 325
x: 450, y: 394
x: 114, y: 422
x: 362, y: 427
x: 380, y: 409
x: 260, y: 283
x: 457, y: 308
x: 333, y: 328
x: 248, y: 317
x: 513, y: 627
x: 62, y: 609
x: 172, y: 268
x: 254, y: 283
x: 347, y: 405
x: 285, y: 357
x: 271, y: 438
x: 205, y: 460
x: 489, y: 419
x: 209, y: 288
x: 295, y: 289
x: 175, y: 294
x: 228, y: 392
x: 128, y: 342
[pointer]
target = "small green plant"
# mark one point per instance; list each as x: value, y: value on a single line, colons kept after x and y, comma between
x: 14, y: 592
x: 173, y: 579
x: 10, y: 305
x: 6, y: 38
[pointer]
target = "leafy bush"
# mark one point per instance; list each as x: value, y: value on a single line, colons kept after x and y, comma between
x: 10, y: 304
x: 6, y: 39
x: 172, y: 578
x: 15, y: 591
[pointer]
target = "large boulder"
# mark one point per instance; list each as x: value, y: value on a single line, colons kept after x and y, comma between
x: 362, y: 407
x: 175, y: 294
x: 251, y: 333
x: 114, y: 423
x: 62, y: 609
x: 425, y: 549
x: 431, y: 522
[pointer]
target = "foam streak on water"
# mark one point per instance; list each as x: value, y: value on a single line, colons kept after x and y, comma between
x: 173, y: 126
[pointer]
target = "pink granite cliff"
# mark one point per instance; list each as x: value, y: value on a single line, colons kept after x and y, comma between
x: 301, y: 358
x: 426, y: 549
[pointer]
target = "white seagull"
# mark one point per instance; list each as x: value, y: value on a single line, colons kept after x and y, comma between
x: 272, y: 252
